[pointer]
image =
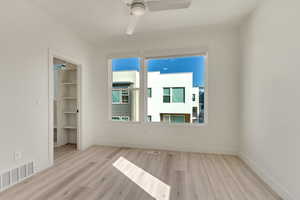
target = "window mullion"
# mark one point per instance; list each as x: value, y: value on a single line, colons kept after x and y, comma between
x: 121, y: 100
x: 143, y: 90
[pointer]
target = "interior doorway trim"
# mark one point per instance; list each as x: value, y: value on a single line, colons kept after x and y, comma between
x: 51, y: 55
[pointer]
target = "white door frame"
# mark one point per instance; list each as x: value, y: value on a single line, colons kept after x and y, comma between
x: 52, y: 54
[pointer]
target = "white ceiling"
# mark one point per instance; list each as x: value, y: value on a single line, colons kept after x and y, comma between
x: 96, y: 20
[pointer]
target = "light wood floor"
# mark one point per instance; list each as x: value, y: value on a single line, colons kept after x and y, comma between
x: 91, y: 175
x: 64, y: 151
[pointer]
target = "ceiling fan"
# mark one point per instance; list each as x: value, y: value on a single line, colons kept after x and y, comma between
x: 138, y: 8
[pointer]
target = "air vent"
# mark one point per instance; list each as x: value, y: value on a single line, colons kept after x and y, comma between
x: 6, y: 179
x: 156, y: 153
x: 13, y: 176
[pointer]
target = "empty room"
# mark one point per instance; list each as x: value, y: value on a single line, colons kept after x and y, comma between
x: 149, y: 100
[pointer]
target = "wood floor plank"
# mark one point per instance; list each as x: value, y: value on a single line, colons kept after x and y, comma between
x: 81, y: 180
x: 252, y: 185
x: 230, y: 185
x: 91, y: 175
x: 19, y: 191
x: 216, y: 181
x: 200, y: 186
x: 135, y: 191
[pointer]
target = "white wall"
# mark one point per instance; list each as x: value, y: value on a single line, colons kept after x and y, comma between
x: 221, y: 132
x: 26, y: 34
x: 270, y: 94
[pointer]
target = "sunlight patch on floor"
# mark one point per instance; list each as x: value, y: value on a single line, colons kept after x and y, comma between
x: 152, y: 185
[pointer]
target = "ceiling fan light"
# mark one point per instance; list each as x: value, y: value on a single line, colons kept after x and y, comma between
x: 138, y: 9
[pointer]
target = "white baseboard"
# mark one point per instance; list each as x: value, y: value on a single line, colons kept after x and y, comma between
x: 172, y: 148
x: 267, y: 177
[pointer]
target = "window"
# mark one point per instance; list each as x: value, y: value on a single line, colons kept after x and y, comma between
x: 116, y: 94
x: 174, y: 89
x: 167, y: 95
x: 120, y: 96
x: 177, y: 85
x: 178, y: 95
x: 195, y: 112
x: 125, y: 89
x: 125, y: 118
x: 120, y: 118
x: 149, y: 92
x: 169, y: 118
x: 125, y: 96
x: 116, y: 118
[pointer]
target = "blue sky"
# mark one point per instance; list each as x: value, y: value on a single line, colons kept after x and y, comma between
x: 195, y: 64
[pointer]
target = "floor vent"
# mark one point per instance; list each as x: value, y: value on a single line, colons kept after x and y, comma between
x: 155, y: 153
x: 15, y: 175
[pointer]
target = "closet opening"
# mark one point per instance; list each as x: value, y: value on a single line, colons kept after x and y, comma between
x: 64, y: 109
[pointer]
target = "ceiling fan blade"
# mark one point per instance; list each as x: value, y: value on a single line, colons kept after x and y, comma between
x: 132, y: 24
x: 160, y: 5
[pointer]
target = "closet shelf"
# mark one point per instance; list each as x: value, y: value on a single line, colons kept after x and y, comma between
x: 69, y: 98
x: 70, y: 112
x: 70, y: 127
x: 70, y: 84
x: 69, y: 69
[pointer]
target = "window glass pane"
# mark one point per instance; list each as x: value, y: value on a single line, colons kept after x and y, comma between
x: 178, y: 95
x: 167, y: 92
x: 126, y: 88
x: 125, y: 118
x: 116, y: 118
x: 125, y: 99
x: 116, y: 96
x: 149, y: 92
x: 124, y: 92
x: 167, y: 99
x: 178, y: 89
x: 177, y: 119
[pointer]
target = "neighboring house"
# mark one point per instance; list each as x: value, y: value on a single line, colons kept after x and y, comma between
x: 125, y: 94
x: 121, y: 93
x: 201, y: 104
x: 171, y: 97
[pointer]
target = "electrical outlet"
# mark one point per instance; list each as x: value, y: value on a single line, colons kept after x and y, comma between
x: 17, y: 155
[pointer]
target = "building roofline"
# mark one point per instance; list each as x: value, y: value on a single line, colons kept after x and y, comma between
x: 171, y: 72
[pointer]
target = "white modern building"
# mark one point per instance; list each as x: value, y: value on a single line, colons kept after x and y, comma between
x: 171, y: 97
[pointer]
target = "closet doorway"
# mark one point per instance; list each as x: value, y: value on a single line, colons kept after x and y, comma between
x: 64, y: 108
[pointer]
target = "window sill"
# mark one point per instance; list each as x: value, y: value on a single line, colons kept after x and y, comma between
x: 174, y: 124
x: 159, y: 124
x: 174, y: 102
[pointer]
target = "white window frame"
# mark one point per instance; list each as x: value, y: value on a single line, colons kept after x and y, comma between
x: 143, y: 100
